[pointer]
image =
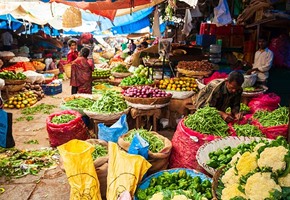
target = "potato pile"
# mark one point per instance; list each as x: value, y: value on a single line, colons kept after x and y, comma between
x: 35, y: 88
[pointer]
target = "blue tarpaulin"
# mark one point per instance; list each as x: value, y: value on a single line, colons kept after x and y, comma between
x: 131, y: 28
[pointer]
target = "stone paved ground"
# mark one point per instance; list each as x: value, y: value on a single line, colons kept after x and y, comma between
x: 50, y: 184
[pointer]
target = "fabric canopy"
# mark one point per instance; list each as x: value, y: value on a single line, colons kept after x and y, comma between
x: 105, y: 8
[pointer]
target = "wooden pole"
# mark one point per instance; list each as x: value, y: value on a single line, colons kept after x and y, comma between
x: 288, y: 135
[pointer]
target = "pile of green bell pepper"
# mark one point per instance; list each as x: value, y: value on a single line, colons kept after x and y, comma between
x: 177, y: 181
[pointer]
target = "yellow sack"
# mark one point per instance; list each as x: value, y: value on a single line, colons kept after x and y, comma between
x: 125, y: 171
x: 80, y: 170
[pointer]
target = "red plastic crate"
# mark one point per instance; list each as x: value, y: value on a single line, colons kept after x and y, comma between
x: 223, y: 30
x: 207, y: 29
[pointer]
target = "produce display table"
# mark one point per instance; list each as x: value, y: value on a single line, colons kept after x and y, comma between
x: 156, y: 63
x: 139, y: 113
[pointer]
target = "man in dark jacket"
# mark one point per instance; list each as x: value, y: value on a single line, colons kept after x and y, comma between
x: 222, y: 94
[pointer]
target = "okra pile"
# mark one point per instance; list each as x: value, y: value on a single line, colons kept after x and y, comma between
x: 208, y: 121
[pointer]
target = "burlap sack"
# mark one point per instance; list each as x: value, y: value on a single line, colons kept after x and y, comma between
x: 159, y: 161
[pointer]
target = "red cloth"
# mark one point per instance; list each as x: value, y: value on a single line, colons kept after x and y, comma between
x: 81, y: 75
x: 104, y: 8
x: 71, y: 56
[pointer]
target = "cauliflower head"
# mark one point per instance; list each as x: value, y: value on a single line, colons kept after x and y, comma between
x: 180, y: 197
x: 230, y: 177
x: 235, y: 158
x: 258, y: 146
x: 231, y: 191
x: 284, y: 181
x: 157, y: 196
x: 246, y: 163
x: 259, y: 186
x: 273, y: 157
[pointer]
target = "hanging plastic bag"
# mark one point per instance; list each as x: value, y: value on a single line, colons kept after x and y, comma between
x: 222, y: 15
x: 125, y: 172
x: 139, y: 146
x: 115, y: 131
x: 80, y: 170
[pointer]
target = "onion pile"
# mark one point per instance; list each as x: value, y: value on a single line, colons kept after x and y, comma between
x: 145, y: 92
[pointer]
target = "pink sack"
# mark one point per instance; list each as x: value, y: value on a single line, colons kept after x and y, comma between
x: 185, y: 144
x: 272, y: 132
x: 268, y: 102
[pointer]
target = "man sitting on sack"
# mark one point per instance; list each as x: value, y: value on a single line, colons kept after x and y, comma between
x: 222, y: 94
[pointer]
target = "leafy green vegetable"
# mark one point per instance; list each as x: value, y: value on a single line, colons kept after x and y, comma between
x: 110, y: 102
x: 18, y: 163
x: 99, y: 151
x: 44, y: 108
x: 79, y: 103
x: 155, y: 143
x: 62, y: 119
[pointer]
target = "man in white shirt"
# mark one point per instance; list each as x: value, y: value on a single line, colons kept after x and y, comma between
x: 262, y: 62
x: 7, y: 40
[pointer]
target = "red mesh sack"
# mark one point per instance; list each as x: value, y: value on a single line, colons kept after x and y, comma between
x: 268, y: 102
x: 61, y: 133
x: 272, y: 132
x: 185, y: 144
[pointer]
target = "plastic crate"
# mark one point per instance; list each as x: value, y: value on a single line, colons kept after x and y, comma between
x: 205, y: 40
x: 51, y: 90
x: 209, y: 29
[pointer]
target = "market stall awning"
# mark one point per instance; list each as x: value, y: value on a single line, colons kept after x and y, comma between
x: 107, y: 8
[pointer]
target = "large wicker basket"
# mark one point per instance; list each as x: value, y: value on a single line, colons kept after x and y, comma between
x: 148, y: 101
x: 194, y: 73
x: 67, y: 70
x: 14, y: 88
x: 106, y: 116
x: 128, y: 86
x: 53, y: 71
x: 215, y: 181
x: 14, y: 82
x: 121, y: 75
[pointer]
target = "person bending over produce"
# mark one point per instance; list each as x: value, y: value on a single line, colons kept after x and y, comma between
x: 222, y: 94
x: 81, y: 73
x: 262, y: 62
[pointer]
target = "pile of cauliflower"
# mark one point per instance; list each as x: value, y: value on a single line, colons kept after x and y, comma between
x: 262, y: 174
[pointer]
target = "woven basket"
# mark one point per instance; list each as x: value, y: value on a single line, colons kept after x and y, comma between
x: 39, y: 67
x: 214, y: 183
x: 53, y: 71
x: 121, y: 75
x: 67, y: 70
x: 194, y: 73
x: 128, y: 86
x: 72, y: 18
x: 106, y: 116
x: 14, y: 88
x: 148, y: 101
x: 14, y: 82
